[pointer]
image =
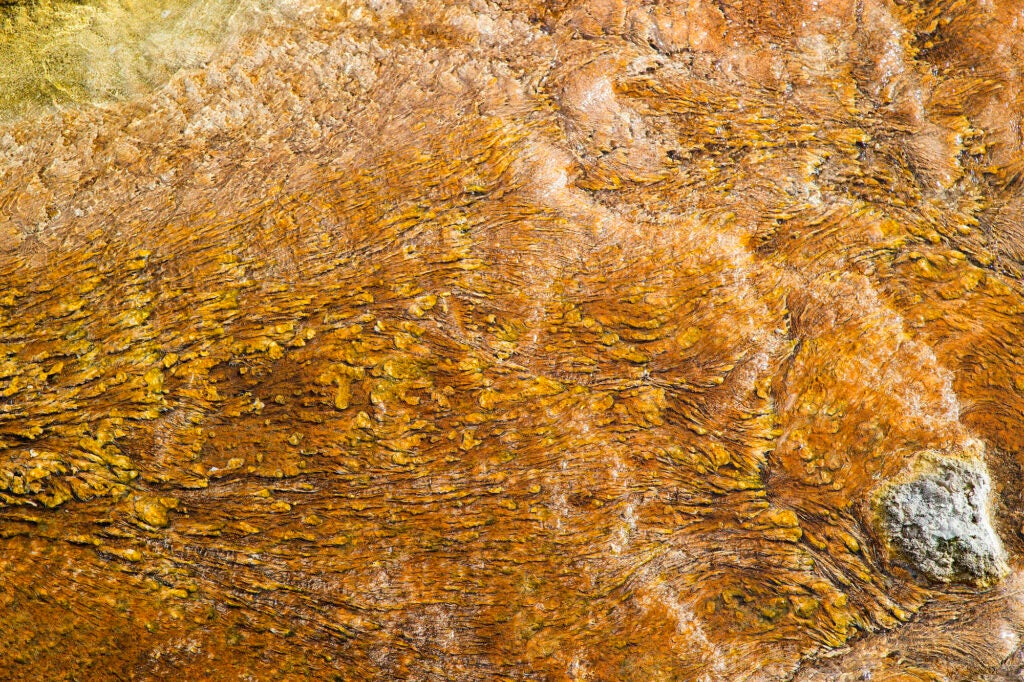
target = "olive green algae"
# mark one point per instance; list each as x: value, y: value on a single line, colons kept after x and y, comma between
x: 65, y: 52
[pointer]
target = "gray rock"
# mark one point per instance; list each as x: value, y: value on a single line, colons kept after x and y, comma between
x: 939, y: 521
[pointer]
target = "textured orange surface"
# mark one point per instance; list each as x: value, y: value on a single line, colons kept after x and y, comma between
x: 517, y: 340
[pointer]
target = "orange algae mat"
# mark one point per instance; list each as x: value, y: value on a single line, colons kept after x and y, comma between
x: 518, y: 340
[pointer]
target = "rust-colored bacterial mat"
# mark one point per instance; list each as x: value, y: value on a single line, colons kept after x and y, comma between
x: 589, y: 340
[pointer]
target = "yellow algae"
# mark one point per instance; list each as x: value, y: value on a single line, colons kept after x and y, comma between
x: 560, y: 339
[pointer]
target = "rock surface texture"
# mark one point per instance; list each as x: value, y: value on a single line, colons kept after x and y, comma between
x: 513, y: 340
x: 940, y: 522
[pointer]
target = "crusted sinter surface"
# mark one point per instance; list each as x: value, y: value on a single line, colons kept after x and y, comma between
x: 511, y: 340
x: 940, y: 522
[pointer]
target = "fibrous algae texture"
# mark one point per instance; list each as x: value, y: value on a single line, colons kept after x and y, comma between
x: 597, y: 340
